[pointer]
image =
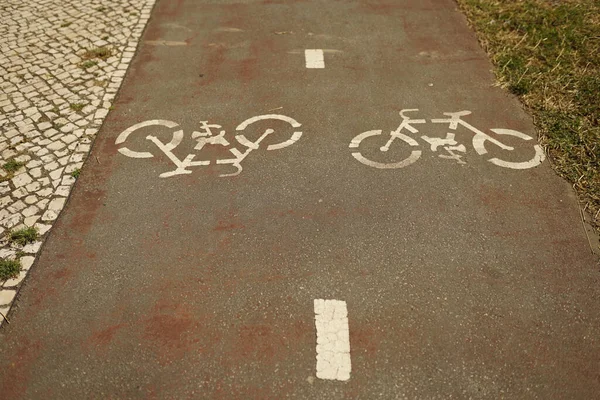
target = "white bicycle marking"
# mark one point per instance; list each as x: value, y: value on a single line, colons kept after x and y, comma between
x: 204, y: 137
x: 295, y: 136
x: 292, y: 140
x: 539, y: 157
x: 455, y: 150
x: 414, y: 156
x: 177, y: 137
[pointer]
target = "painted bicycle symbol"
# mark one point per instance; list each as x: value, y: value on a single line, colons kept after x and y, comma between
x: 206, y: 136
x: 452, y: 148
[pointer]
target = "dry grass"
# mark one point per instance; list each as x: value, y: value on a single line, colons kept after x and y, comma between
x: 102, y: 53
x: 547, y: 52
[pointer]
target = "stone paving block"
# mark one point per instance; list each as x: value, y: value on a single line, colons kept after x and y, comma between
x: 15, y: 281
x: 41, y: 77
x: 6, y: 296
x: 22, y: 179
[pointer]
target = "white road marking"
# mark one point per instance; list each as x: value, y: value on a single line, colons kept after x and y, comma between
x: 448, y: 144
x: 412, y: 158
x: 295, y: 136
x: 229, y: 29
x: 333, y: 340
x: 314, y: 58
x: 175, y: 141
x: 207, y: 136
x: 325, y: 51
x: 538, y: 158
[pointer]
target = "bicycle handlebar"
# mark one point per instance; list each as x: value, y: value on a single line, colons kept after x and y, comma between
x: 458, y: 114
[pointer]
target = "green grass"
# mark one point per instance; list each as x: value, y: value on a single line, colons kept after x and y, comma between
x: 9, y: 269
x: 23, y: 236
x: 75, y: 174
x: 548, y: 54
x: 88, y: 64
x: 12, y: 165
x: 76, y: 106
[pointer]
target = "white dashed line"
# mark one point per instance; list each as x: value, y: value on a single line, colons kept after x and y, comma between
x: 314, y: 58
x: 333, y: 340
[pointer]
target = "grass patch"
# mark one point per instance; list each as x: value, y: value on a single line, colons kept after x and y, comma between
x: 75, y: 174
x: 547, y: 53
x: 76, y: 106
x: 23, y: 236
x: 9, y: 269
x: 100, y: 52
x: 12, y: 166
x: 88, y: 64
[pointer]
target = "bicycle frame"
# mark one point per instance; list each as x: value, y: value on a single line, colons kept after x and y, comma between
x: 182, y: 165
x: 405, y: 124
x: 480, y: 137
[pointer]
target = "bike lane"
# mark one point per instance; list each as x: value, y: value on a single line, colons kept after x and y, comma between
x: 460, y: 277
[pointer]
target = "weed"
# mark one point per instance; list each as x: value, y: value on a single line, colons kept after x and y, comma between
x: 65, y: 24
x: 23, y: 236
x: 75, y: 174
x: 9, y: 269
x: 12, y: 165
x: 88, y: 64
x: 99, y: 52
x: 76, y: 106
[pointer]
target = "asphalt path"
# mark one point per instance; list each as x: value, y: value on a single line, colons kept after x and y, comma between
x: 462, y: 278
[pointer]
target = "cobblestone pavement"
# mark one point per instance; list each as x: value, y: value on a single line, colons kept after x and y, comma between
x: 61, y: 65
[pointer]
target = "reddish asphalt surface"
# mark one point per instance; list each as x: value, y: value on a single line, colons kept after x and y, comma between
x: 461, y: 280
